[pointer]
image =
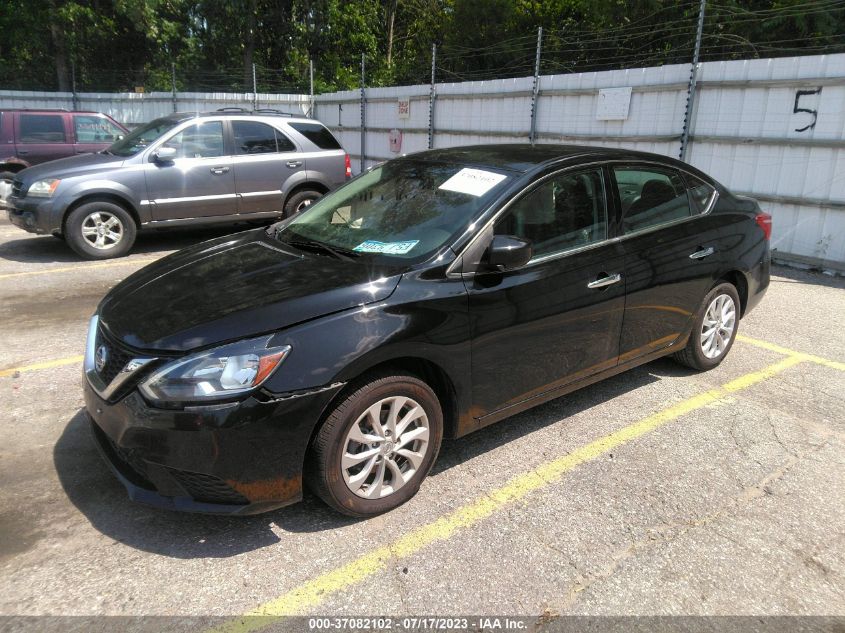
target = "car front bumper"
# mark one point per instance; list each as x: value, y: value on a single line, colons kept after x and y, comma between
x: 35, y: 216
x: 237, y: 458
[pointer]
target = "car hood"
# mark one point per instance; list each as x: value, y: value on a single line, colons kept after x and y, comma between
x: 71, y: 166
x: 232, y: 288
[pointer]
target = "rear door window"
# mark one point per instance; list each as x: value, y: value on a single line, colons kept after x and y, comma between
x: 317, y: 134
x: 650, y: 196
x: 42, y: 128
x: 252, y: 137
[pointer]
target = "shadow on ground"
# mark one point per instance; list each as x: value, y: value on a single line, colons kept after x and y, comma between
x: 46, y: 249
x: 91, y: 487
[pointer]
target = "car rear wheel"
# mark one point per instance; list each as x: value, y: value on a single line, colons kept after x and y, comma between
x: 714, y: 331
x: 376, y: 447
x: 300, y: 201
x: 100, y: 230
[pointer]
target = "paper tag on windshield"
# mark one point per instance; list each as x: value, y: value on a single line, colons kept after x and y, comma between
x: 342, y: 215
x: 475, y: 182
x: 388, y: 248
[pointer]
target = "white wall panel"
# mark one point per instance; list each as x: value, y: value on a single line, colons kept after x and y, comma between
x: 745, y: 131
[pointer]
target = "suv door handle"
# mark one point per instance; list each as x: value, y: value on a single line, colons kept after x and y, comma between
x: 23, y: 151
x: 704, y: 252
x: 293, y: 164
x: 219, y: 170
x: 609, y: 280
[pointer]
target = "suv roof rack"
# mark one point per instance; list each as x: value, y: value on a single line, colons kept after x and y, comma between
x: 272, y: 111
x: 231, y: 109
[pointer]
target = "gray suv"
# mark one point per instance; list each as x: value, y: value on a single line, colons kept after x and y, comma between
x: 184, y: 169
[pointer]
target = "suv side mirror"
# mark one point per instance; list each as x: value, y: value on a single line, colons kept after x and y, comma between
x: 507, y: 252
x: 164, y: 154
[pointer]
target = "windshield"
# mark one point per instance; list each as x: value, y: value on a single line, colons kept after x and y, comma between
x: 141, y: 137
x: 404, y: 210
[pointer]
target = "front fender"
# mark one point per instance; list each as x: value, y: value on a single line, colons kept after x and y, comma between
x: 340, y: 347
x: 101, y: 187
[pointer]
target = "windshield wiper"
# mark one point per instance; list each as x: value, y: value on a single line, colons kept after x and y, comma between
x: 338, y: 253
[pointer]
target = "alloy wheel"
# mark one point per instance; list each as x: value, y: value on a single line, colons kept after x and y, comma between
x: 718, y: 326
x: 385, y: 447
x: 102, y: 230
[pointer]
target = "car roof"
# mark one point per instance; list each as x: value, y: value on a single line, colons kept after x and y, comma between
x: 240, y: 112
x: 523, y: 157
x: 51, y: 111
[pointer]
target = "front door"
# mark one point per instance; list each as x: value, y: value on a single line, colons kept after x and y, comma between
x: 672, y: 254
x: 557, y: 319
x: 199, y: 181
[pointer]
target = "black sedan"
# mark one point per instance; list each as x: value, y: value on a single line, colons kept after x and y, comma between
x: 427, y: 298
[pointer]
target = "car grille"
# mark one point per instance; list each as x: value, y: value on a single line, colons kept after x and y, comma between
x: 207, y: 488
x: 18, y: 190
x: 116, y: 357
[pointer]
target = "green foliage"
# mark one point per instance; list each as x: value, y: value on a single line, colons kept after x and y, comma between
x: 120, y: 44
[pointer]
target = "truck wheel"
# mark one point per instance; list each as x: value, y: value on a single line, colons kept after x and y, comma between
x: 100, y: 230
x: 300, y: 201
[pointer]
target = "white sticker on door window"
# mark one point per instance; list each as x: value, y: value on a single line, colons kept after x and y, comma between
x: 475, y: 182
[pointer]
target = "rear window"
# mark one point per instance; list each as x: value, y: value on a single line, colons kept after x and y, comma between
x: 42, y: 128
x: 317, y: 134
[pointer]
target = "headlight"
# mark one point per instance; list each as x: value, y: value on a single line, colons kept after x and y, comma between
x: 216, y: 374
x: 43, y: 188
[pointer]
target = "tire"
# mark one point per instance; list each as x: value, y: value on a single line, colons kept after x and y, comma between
x: 300, y: 200
x: 377, y: 491
x: 703, y: 353
x: 85, y: 226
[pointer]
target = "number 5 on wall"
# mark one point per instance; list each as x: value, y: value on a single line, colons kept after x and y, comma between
x: 796, y: 109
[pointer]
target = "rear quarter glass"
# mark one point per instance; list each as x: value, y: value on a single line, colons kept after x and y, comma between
x: 317, y: 134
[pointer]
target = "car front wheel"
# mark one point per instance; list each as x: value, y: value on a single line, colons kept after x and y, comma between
x: 714, y: 331
x: 377, y: 445
x: 100, y: 230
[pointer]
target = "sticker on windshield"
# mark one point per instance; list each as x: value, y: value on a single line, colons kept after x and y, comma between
x: 475, y: 182
x: 387, y: 248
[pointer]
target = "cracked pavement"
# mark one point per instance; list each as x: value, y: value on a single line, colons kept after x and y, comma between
x: 733, y: 508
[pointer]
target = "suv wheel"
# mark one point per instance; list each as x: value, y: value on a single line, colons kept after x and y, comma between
x: 376, y: 447
x: 100, y: 230
x: 300, y: 201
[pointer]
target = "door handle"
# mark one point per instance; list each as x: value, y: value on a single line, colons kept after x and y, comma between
x: 219, y: 170
x: 23, y: 151
x: 605, y: 281
x: 293, y: 164
x: 704, y: 252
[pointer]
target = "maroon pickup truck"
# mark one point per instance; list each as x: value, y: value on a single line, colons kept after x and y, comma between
x: 30, y: 137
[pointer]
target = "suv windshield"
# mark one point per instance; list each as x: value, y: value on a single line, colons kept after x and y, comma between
x: 141, y: 137
x: 404, y: 210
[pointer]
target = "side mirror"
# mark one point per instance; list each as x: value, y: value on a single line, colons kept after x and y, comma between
x: 507, y: 252
x: 164, y: 155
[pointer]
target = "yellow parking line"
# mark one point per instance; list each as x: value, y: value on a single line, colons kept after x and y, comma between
x: 81, y: 266
x: 313, y: 592
x: 790, y: 352
x: 47, y: 364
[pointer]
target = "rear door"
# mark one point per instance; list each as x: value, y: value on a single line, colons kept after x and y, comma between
x: 557, y: 319
x: 326, y: 159
x: 42, y: 137
x: 93, y: 132
x: 266, y: 164
x: 672, y: 253
x: 200, y: 181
